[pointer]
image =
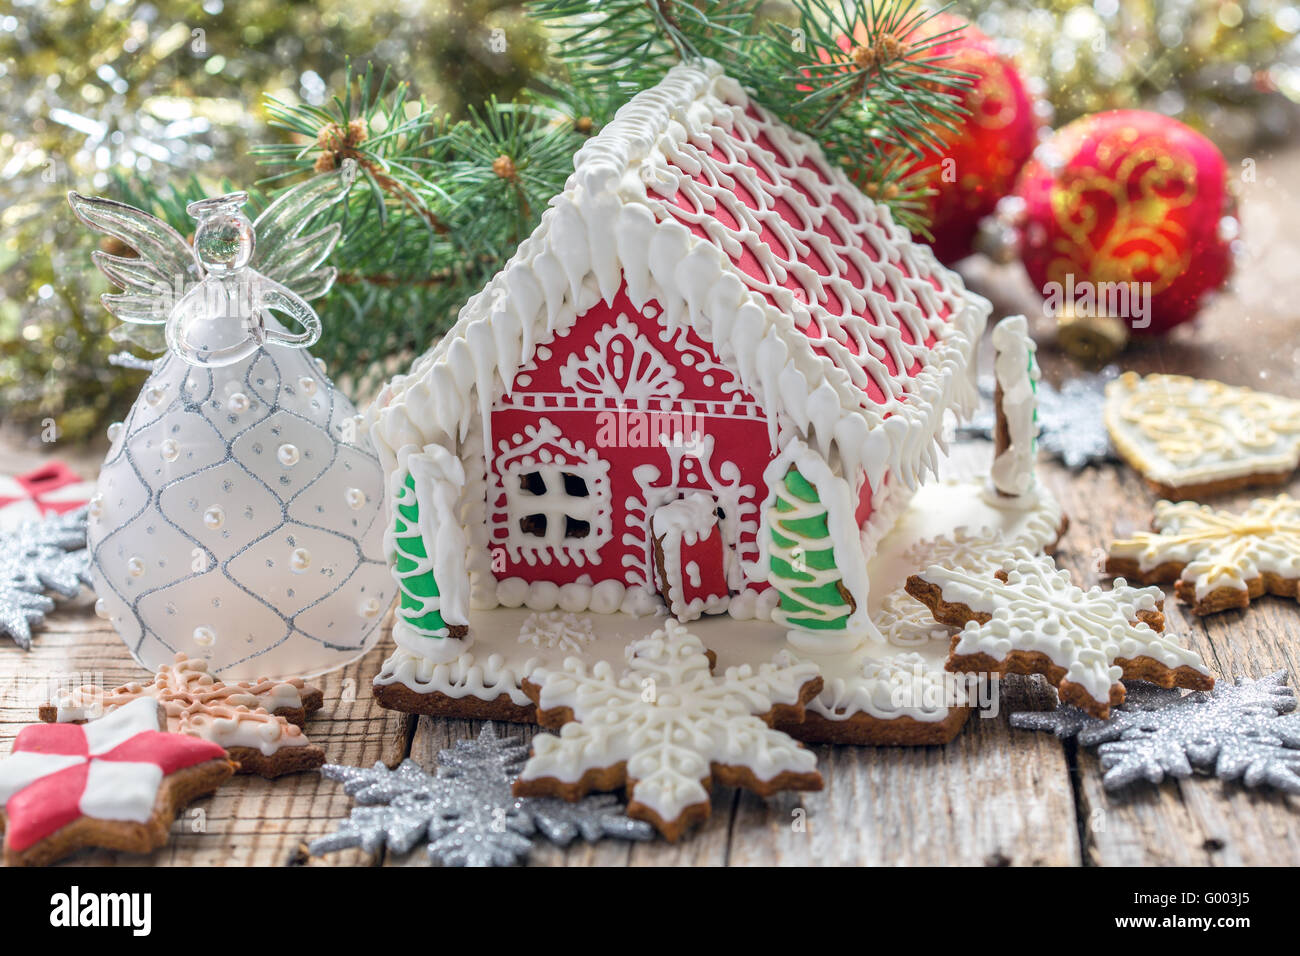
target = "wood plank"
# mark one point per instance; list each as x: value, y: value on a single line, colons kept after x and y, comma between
x: 979, y: 801
x: 249, y: 821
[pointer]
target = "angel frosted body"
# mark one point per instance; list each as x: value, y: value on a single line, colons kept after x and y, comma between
x: 239, y: 515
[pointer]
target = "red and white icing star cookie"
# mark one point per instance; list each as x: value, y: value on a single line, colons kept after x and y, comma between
x: 115, y: 783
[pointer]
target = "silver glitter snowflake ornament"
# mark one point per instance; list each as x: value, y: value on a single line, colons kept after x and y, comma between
x: 1237, y: 731
x: 1070, y: 424
x: 465, y: 810
x: 1066, y: 721
x: 40, y: 557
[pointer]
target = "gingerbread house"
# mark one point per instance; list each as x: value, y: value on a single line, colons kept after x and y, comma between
x: 708, y: 382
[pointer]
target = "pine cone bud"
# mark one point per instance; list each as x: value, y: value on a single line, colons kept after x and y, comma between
x: 504, y: 167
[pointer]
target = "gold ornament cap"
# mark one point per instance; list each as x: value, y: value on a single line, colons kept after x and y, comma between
x: 1092, y: 339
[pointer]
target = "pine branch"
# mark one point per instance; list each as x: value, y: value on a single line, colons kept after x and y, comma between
x: 873, y: 62
x: 437, y: 209
x: 645, y: 36
x: 866, y: 80
x: 440, y: 206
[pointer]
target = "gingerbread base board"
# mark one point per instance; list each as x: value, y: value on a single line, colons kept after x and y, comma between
x: 856, y: 706
x: 436, y: 704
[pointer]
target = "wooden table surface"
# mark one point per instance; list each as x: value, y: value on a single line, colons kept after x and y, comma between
x: 994, y: 796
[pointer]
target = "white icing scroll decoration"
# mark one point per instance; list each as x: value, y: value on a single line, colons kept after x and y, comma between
x: 624, y: 366
x: 1181, y: 431
x: 691, y: 456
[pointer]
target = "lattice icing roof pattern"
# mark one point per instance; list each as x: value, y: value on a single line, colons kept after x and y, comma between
x: 737, y: 226
x: 745, y: 185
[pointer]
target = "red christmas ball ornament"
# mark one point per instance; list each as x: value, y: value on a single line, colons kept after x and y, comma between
x: 977, y: 164
x: 1125, y: 216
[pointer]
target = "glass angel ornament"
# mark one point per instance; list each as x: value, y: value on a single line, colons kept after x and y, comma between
x: 239, y: 515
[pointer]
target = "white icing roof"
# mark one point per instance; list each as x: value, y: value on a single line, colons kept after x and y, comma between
x: 829, y: 313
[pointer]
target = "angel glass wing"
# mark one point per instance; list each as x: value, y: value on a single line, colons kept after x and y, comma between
x: 213, y: 301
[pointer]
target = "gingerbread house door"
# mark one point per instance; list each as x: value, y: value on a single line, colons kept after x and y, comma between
x: 689, y: 552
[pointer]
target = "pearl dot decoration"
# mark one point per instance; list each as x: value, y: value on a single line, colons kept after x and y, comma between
x: 114, y: 430
x: 135, y: 567
x: 237, y: 402
x: 308, y: 385
x: 101, y: 609
x: 153, y: 395
x: 356, y: 498
x: 288, y: 455
x: 300, y: 560
x: 214, y: 517
x: 370, y: 609
x: 205, y: 636
x: 169, y: 450
x: 95, y: 506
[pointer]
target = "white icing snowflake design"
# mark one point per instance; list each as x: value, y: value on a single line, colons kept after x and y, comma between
x: 1038, y: 608
x: 557, y: 630
x: 903, y: 620
x: 669, y: 723
x: 1220, y: 549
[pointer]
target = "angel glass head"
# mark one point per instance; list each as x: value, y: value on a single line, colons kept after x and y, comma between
x: 227, y: 316
x: 223, y: 239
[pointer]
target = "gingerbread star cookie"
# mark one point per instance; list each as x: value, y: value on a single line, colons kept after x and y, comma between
x: 1191, y: 438
x: 115, y: 783
x: 258, y: 722
x: 667, y: 728
x: 1217, y: 559
x: 1030, y: 618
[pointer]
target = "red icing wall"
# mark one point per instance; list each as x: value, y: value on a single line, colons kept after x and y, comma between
x: 611, y: 413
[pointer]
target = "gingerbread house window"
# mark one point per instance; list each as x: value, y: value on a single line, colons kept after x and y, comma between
x: 557, y: 498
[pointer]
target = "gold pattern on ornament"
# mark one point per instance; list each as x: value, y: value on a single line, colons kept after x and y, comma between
x: 1142, y: 243
x: 992, y: 104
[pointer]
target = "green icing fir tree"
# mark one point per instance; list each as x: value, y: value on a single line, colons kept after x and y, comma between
x: 803, y: 560
x: 416, y: 586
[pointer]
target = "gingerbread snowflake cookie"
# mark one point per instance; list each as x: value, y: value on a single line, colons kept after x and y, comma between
x: 1030, y: 618
x: 115, y: 783
x: 667, y: 729
x: 1217, y: 559
x: 1191, y: 438
x: 259, y: 722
